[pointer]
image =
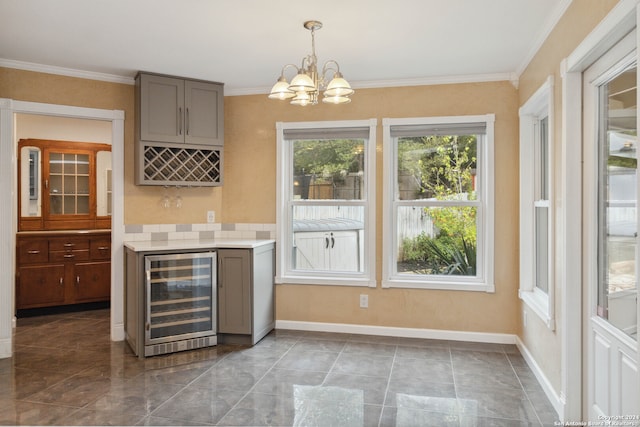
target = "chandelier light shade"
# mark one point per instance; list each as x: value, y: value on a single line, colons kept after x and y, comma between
x: 307, y: 83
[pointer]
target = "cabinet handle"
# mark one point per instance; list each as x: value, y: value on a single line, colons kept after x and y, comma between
x: 33, y: 252
x: 188, y: 121
x: 61, y: 281
x: 68, y: 255
x: 180, y: 120
x: 333, y: 241
x: 46, y: 184
x: 77, y: 280
x: 326, y: 243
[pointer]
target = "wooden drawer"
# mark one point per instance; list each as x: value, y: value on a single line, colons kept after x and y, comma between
x: 31, y: 251
x: 69, y: 256
x: 100, y: 248
x: 68, y: 244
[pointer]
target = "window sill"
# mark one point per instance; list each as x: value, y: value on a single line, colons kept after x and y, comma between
x: 325, y: 281
x: 443, y: 286
x: 538, y: 302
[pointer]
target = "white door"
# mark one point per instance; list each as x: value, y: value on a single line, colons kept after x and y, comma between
x: 610, y: 218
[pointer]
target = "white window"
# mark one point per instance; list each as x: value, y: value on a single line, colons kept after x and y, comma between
x: 536, y: 219
x: 438, y: 201
x: 326, y: 202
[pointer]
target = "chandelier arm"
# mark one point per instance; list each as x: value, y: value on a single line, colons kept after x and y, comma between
x: 327, y: 66
x: 288, y: 66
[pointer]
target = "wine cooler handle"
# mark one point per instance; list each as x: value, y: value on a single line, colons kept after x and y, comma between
x: 148, y: 273
x: 220, y: 272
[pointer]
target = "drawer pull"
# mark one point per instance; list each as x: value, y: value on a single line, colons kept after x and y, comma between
x: 69, y: 245
x: 103, y: 248
x: 33, y: 252
x: 69, y: 255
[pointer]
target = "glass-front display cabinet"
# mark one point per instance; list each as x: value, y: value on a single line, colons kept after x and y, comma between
x: 64, y: 185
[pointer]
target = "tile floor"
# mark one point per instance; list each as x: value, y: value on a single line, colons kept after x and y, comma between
x: 65, y: 371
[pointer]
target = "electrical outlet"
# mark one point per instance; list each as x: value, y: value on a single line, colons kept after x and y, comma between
x: 364, y: 301
x: 211, y: 216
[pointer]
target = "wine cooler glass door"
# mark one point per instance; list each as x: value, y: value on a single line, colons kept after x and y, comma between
x: 181, y: 297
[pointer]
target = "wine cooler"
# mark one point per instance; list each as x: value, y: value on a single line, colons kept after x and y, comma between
x: 179, y: 297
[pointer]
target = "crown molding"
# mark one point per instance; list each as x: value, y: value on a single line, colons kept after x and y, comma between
x: 69, y: 72
x: 550, y: 24
x: 377, y: 84
x: 369, y: 84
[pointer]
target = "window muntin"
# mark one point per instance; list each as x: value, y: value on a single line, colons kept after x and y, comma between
x: 439, y: 202
x: 326, y: 197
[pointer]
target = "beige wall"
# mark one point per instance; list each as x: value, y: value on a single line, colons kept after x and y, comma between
x: 250, y: 191
x: 142, y: 204
x: 579, y: 19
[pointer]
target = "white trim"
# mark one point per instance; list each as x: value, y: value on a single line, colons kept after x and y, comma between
x: 618, y: 22
x: 443, y: 286
x: 556, y: 400
x: 484, y: 281
x: 286, y: 274
x: 62, y: 71
x: 390, y: 331
x: 8, y: 171
x: 569, y: 232
x: 539, y: 105
x: 8, y: 108
x: 330, y: 280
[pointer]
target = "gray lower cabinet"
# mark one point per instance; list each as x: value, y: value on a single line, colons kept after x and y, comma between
x: 245, y: 294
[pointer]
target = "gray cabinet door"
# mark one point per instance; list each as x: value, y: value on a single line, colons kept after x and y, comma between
x: 161, y: 109
x: 234, y: 291
x: 203, y: 113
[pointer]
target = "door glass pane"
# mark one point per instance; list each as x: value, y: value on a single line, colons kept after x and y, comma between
x: 68, y: 184
x: 617, y: 204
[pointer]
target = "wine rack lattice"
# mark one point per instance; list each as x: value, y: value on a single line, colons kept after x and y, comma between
x: 182, y: 166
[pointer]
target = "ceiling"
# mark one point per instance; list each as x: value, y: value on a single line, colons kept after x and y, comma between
x: 245, y: 43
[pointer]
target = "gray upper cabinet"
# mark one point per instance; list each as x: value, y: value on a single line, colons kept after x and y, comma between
x: 177, y: 110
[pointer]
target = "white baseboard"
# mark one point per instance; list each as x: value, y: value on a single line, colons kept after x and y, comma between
x: 5, y: 348
x: 556, y: 400
x: 117, y: 332
x: 391, y: 331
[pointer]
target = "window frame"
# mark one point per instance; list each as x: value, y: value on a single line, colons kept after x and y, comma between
x: 484, y: 279
x: 537, y: 107
x: 285, y: 274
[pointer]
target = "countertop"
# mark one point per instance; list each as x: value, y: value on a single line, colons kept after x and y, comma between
x: 187, y: 244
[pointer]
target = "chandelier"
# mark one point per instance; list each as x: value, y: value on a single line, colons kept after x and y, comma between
x: 307, y: 83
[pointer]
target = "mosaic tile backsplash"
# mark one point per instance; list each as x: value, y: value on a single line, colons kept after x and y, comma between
x: 145, y: 232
